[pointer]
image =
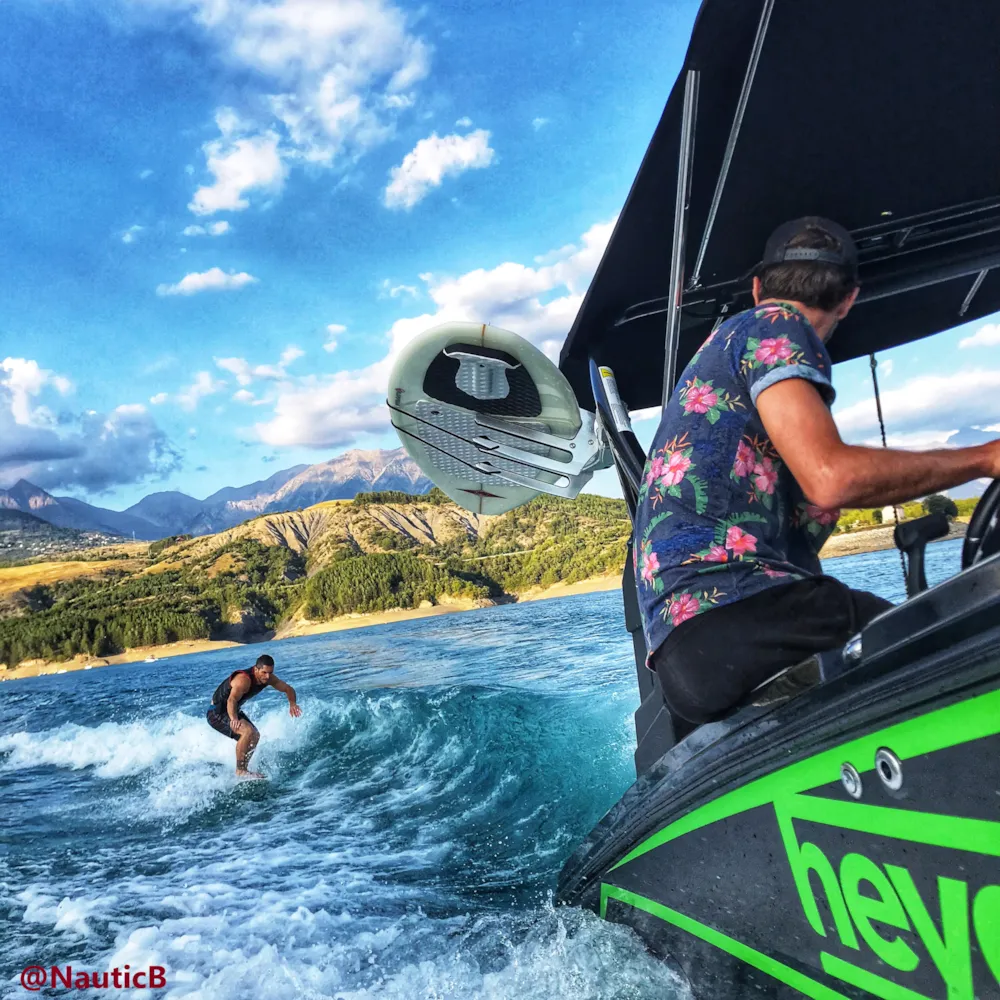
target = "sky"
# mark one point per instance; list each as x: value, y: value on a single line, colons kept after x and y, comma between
x: 221, y: 220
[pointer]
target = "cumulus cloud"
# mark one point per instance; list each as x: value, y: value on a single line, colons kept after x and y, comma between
x: 245, y: 372
x: 214, y: 279
x: 333, y: 330
x: 328, y: 411
x: 388, y: 290
x: 243, y: 396
x: 321, y: 82
x: 203, y: 385
x: 131, y: 234
x: 212, y: 229
x: 465, y: 122
x: 927, y: 405
x: 23, y: 380
x: 431, y: 161
x: 985, y: 336
x: 239, y: 164
x: 90, y: 450
x: 537, y: 123
x: 160, y: 398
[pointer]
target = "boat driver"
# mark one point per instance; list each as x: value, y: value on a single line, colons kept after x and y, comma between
x: 744, y: 480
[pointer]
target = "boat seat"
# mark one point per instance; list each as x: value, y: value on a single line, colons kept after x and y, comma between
x: 797, y: 678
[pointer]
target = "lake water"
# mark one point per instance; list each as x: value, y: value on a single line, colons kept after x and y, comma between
x: 406, y: 844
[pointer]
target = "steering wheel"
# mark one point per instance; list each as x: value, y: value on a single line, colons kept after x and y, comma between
x: 983, y: 537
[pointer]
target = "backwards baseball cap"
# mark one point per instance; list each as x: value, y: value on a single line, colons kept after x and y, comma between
x: 778, y: 251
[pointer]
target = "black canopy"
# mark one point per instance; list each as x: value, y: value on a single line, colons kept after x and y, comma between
x: 881, y: 114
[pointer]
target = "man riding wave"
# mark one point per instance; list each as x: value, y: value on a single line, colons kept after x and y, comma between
x: 226, y: 715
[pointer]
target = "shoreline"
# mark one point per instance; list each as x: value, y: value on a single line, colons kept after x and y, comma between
x: 838, y: 546
x: 297, y: 629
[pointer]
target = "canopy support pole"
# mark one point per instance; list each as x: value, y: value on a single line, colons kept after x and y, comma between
x: 685, y: 162
x: 734, y: 133
x: 967, y: 301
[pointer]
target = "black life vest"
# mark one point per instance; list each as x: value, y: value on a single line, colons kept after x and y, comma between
x: 221, y: 697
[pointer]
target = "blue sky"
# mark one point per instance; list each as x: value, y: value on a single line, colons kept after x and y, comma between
x: 222, y: 217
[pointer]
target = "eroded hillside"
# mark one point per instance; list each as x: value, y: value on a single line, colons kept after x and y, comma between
x: 375, y: 552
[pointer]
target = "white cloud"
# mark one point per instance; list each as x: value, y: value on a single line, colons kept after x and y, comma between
x: 90, y: 449
x: 465, y: 122
x: 927, y: 404
x: 212, y: 229
x: 389, y: 290
x: 130, y: 234
x: 245, y: 372
x: 23, y: 380
x: 214, y: 279
x: 322, y: 81
x: 160, y: 398
x: 885, y: 367
x: 203, y: 385
x: 985, y: 336
x: 239, y: 165
x: 433, y: 159
x: 537, y: 123
x: 334, y: 330
x: 326, y: 411
x: 145, y: 174
x: 243, y: 396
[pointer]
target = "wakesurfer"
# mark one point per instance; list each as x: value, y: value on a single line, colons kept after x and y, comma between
x: 227, y: 717
x: 744, y: 480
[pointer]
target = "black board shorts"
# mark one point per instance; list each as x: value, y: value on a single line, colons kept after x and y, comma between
x: 220, y: 722
x: 709, y: 663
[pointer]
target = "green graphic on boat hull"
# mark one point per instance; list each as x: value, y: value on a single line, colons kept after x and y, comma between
x: 832, y: 896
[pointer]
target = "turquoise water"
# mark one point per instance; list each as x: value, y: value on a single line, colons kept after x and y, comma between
x: 406, y: 844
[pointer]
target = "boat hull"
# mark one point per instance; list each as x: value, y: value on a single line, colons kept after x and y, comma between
x: 742, y: 857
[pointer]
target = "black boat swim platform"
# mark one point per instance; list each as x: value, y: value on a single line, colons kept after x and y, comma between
x: 838, y: 835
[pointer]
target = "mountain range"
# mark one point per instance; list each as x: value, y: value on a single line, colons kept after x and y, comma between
x: 173, y: 513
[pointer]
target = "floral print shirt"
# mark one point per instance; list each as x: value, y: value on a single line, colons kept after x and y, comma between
x: 720, y: 517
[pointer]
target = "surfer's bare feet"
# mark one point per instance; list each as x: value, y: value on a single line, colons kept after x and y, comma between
x: 249, y: 774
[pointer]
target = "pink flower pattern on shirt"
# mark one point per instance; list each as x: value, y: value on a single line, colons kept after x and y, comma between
x: 774, y: 349
x: 740, y: 542
x: 746, y: 459
x: 700, y: 398
x: 716, y: 504
x: 765, y: 476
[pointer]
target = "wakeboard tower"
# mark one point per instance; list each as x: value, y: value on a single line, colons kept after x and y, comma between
x: 838, y: 835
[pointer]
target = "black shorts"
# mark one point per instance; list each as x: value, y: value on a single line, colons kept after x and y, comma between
x: 220, y: 722
x: 710, y: 663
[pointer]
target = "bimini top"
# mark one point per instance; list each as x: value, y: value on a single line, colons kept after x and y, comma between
x: 882, y: 116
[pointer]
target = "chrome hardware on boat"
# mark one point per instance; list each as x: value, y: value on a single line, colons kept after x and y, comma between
x: 851, y: 780
x: 889, y: 768
x: 853, y: 649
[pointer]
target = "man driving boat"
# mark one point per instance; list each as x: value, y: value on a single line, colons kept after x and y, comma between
x: 745, y: 479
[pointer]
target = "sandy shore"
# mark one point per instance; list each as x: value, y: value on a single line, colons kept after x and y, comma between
x: 874, y: 540
x: 293, y: 629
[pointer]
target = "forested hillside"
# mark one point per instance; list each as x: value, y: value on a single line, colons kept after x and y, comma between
x: 379, y: 551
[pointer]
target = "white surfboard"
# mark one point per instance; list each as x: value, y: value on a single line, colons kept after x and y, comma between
x: 488, y: 418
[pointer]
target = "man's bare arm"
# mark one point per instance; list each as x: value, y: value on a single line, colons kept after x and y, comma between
x: 288, y: 691
x: 237, y: 689
x: 834, y: 474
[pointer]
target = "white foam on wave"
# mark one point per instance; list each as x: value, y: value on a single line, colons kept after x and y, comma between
x: 273, y: 953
